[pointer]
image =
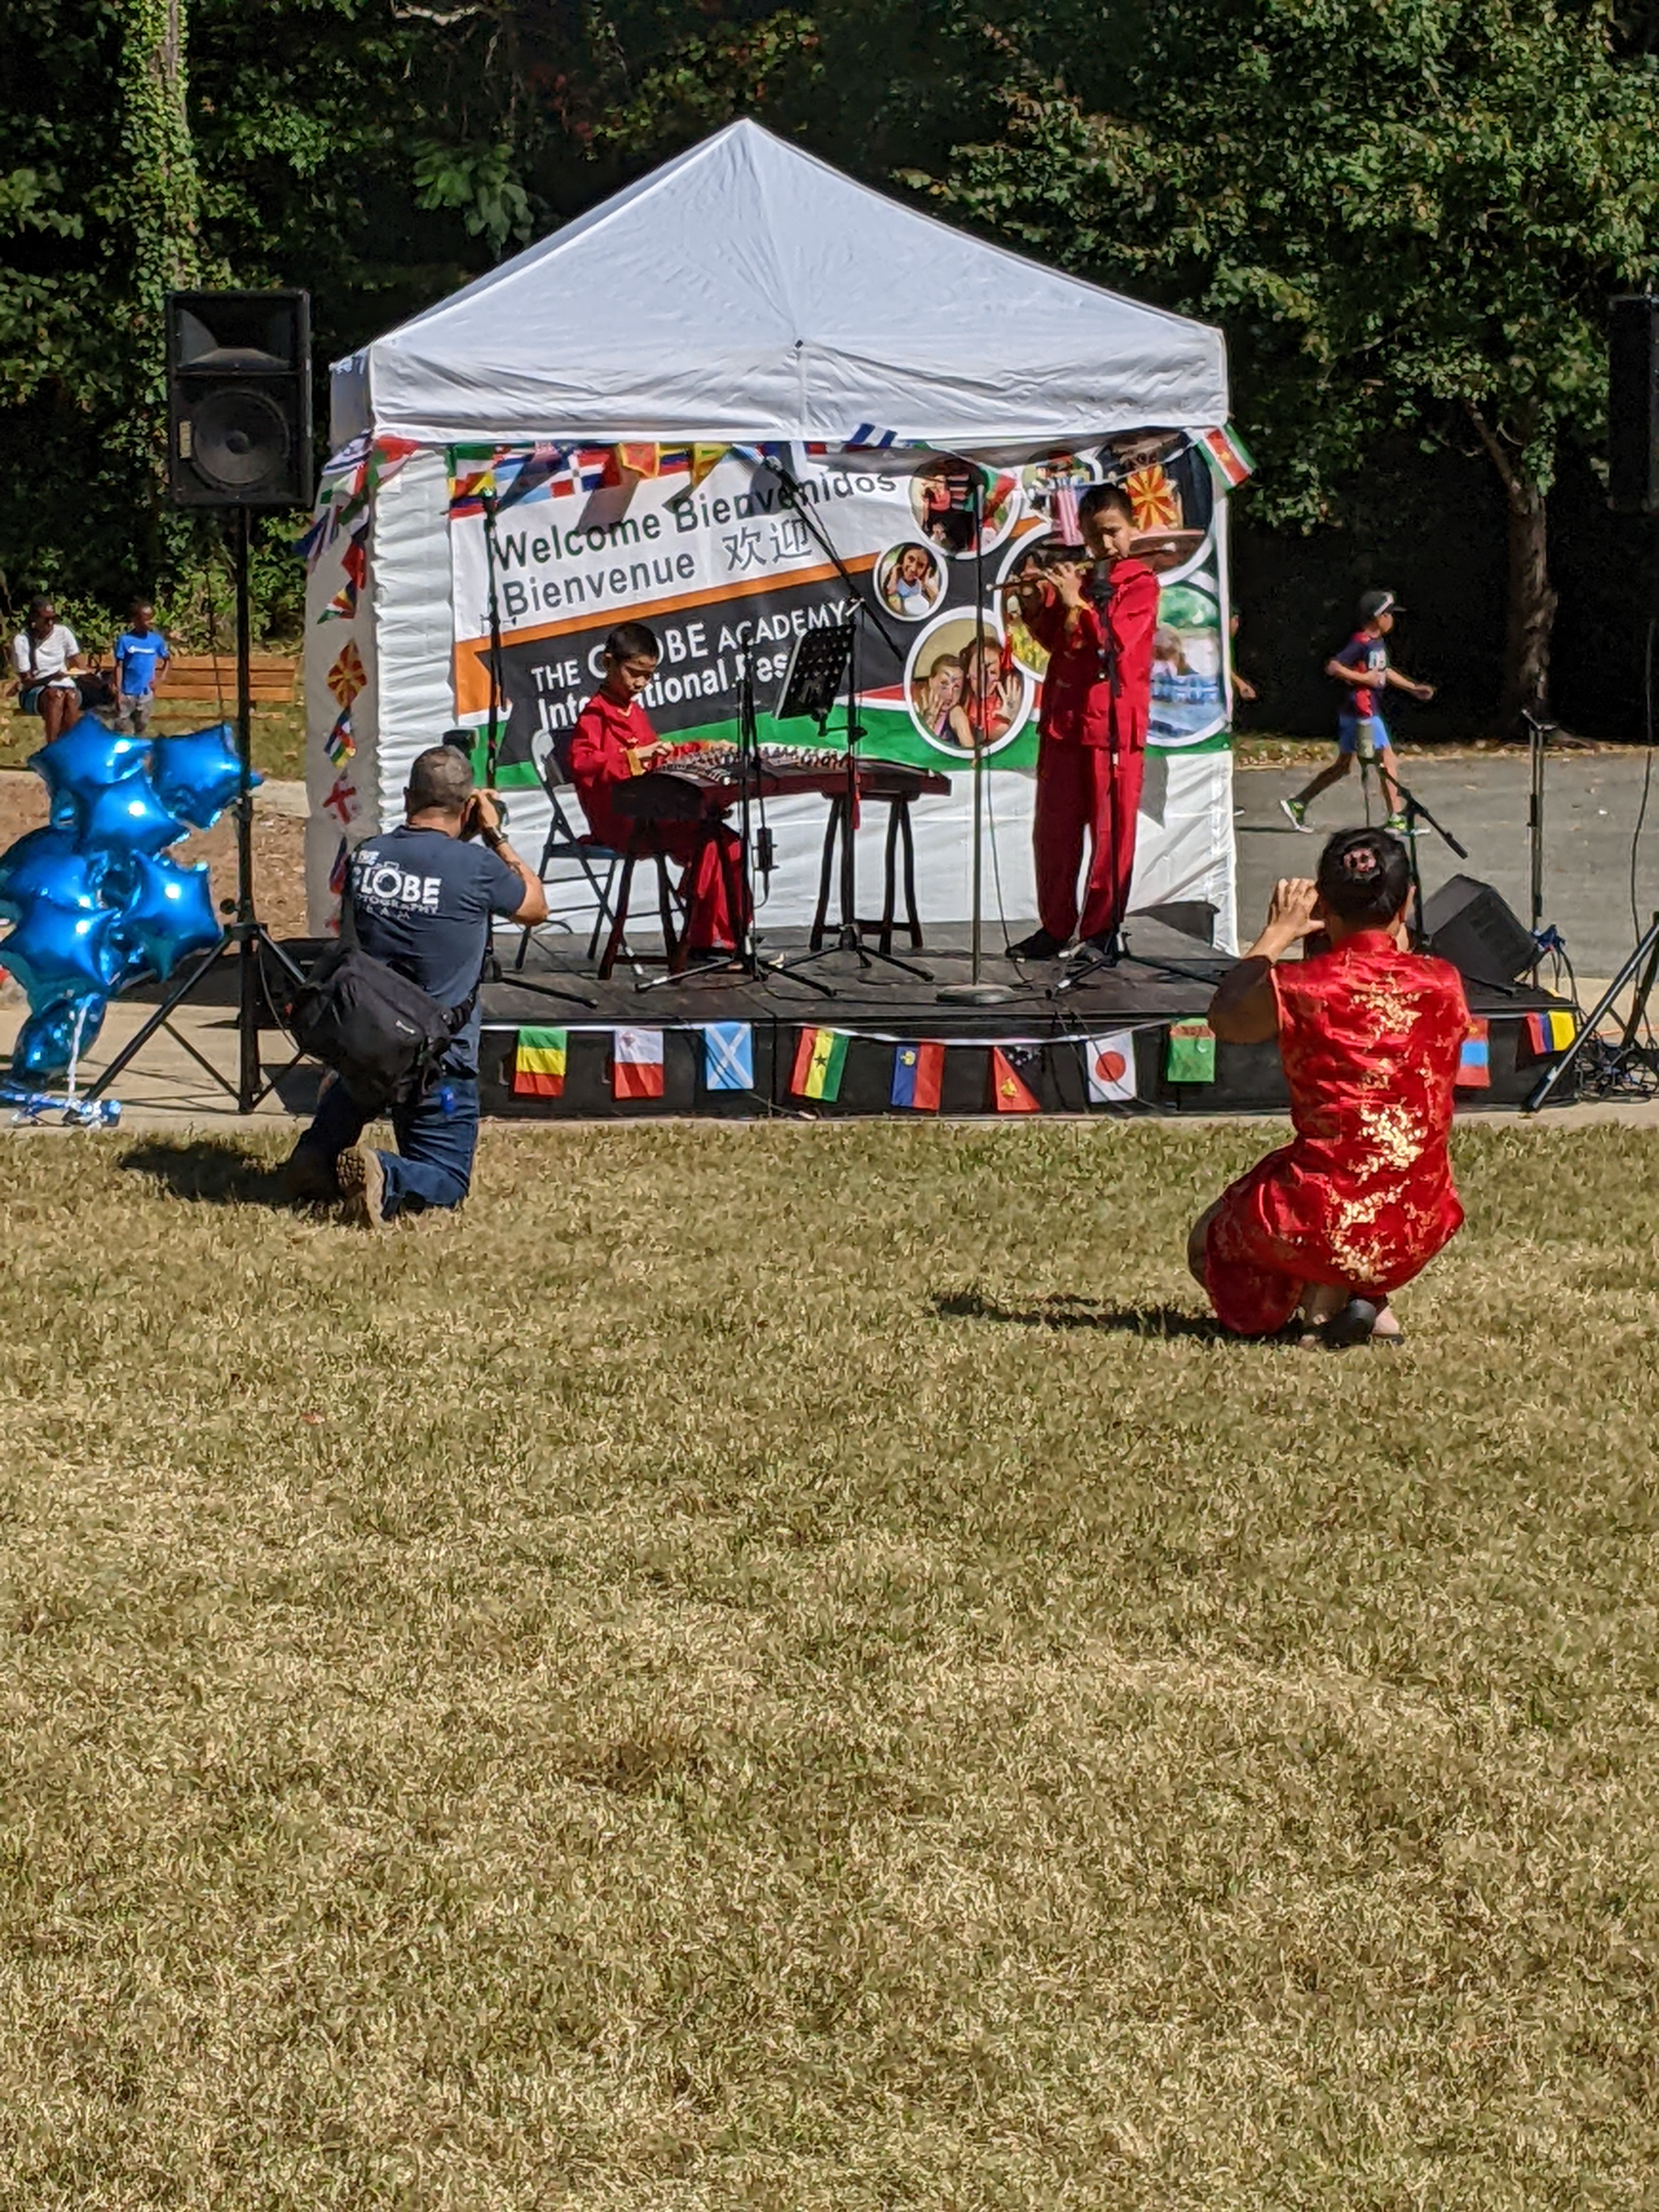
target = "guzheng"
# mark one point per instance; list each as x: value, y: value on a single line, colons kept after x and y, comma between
x: 704, y: 781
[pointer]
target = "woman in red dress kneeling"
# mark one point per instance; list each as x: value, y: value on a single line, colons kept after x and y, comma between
x: 1371, y: 1035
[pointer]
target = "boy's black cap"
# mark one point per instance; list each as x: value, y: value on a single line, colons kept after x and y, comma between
x: 1373, y: 603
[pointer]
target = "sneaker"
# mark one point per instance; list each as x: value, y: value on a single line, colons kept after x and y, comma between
x: 1295, y: 812
x: 362, y: 1186
x: 1400, y: 826
x: 1039, y: 946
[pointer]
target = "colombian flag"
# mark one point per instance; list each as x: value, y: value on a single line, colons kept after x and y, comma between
x: 820, y: 1056
x: 1552, y: 1031
x: 538, y: 1064
x: 918, y: 1070
x: 1474, y: 1060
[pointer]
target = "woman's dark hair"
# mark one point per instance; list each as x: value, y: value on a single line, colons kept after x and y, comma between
x: 632, y: 641
x: 1364, y: 877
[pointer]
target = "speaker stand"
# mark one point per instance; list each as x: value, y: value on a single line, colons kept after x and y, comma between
x: 246, y: 932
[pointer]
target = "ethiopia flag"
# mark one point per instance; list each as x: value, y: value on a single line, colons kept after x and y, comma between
x: 538, y: 1064
x: 918, y: 1070
x: 820, y: 1056
x: 1010, y: 1093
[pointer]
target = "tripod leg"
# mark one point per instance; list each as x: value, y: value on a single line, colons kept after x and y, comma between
x: 129, y: 1051
x: 1646, y: 950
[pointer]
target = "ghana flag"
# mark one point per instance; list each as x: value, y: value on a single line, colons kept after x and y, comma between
x: 538, y: 1064
x: 820, y: 1056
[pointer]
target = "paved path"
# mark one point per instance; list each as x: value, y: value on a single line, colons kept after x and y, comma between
x: 1590, y: 807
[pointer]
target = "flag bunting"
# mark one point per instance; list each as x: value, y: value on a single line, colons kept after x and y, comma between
x: 820, y: 1058
x: 538, y: 1064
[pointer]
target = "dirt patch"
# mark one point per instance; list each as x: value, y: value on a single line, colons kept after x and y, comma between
x: 279, y: 853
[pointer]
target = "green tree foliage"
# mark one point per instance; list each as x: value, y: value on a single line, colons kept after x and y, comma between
x: 1404, y: 215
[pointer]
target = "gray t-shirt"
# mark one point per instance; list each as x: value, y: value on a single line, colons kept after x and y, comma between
x: 422, y: 901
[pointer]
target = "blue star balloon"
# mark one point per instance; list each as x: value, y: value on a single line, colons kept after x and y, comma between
x: 57, y: 954
x: 86, y: 759
x: 126, y: 818
x: 44, y: 865
x: 165, y: 914
x: 46, y: 1042
x: 198, y: 775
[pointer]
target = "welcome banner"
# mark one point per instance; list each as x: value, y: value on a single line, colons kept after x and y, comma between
x: 713, y: 552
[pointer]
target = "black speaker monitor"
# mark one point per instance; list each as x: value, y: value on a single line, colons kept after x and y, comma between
x: 239, y: 399
x: 1633, y: 404
x: 1466, y: 921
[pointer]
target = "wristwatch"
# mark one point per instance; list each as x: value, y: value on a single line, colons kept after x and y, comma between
x: 493, y: 838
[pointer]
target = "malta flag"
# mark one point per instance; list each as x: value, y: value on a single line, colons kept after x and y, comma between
x: 1110, y: 1061
x: 538, y: 1064
x: 918, y: 1071
x: 1009, y: 1092
x: 636, y: 1064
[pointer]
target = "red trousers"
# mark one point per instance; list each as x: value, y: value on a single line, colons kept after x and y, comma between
x: 707, y: 859
x: 1076, y: 792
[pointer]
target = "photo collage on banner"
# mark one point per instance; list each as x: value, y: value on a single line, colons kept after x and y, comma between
x: 711, y: 548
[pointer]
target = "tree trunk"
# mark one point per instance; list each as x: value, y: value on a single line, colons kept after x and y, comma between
x: 1531, y: 610
x: 1529, y: 613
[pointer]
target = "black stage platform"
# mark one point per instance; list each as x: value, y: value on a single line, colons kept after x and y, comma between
x: 1169, y: 978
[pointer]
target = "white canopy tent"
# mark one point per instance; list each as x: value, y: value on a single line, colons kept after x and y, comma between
x: 748, y: 291
x: 743, y: 293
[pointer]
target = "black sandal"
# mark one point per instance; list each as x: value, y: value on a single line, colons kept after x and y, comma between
x: 1353, y: 1325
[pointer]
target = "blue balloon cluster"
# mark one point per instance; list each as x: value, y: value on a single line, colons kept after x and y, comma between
x: 96, y: 903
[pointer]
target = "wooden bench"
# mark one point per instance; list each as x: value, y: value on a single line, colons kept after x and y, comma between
x: 213, y: 677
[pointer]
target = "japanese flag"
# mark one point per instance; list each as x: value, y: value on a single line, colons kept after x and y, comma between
x: 1110, y: 1061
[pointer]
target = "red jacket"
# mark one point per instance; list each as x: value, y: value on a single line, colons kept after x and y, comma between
x: 601, y: 754
x: 1077, y: 700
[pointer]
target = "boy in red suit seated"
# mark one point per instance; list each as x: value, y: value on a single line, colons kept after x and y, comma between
x: 1092, y: 742
x: 613, y: 741
x: 1371, y: 1035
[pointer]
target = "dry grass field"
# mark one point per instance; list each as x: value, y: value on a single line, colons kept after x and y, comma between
x: 789, y: 1669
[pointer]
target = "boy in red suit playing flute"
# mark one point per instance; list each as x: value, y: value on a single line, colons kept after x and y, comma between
x: 1092, y: 742
x: 613, y: 740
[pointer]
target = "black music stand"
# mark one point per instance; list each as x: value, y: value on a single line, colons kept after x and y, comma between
x: 848, y: 937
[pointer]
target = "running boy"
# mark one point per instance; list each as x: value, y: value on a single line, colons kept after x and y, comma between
x: 141, y: 664
x: 1362, y: 668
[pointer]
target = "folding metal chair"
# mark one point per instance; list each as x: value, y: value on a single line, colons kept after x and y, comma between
x: 599, y: 863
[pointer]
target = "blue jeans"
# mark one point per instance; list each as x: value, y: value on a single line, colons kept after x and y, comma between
x: 437, y: 1136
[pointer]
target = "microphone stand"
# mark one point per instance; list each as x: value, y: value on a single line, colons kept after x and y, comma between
x: 976, y: 990
x: 1116, y: 948
x: 848, y: 937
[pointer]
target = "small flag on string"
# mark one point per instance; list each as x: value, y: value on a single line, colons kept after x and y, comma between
x: 1475, y: 1058
x: 1010, y: 1093
x: 869, y: 438
x: 341, y: 869
x: 636, y: 1069
x: 918, y: 1072
x: 728, y: 1056
x: 1550, y: 1031
x: 640, y: 461
x: 339, y: 744
x: 820, y: 1057
x: 1110, y: 1061
x: 538, y: 1064
x: 1068, y: 526
x: 1224, y: 449
x: 342, y: 802
x: 1189, y: 1055
x: 348, y: 677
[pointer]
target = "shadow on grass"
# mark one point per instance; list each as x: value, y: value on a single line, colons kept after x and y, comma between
x: 209, y: 1170
x: 1064, y: 1310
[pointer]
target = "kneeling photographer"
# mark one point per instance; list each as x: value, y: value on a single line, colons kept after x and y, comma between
x: 418, y: 903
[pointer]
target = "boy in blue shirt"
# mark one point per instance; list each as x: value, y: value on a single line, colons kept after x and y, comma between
x: 1361, y: 669
x: 141, y: 663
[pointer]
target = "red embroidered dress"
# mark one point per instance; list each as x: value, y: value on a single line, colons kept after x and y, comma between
x: 1369, y: 1038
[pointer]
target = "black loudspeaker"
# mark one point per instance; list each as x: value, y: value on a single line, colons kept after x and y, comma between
x: 1465, y: 922
x: 1633, y: 404
x: 239, y: 399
